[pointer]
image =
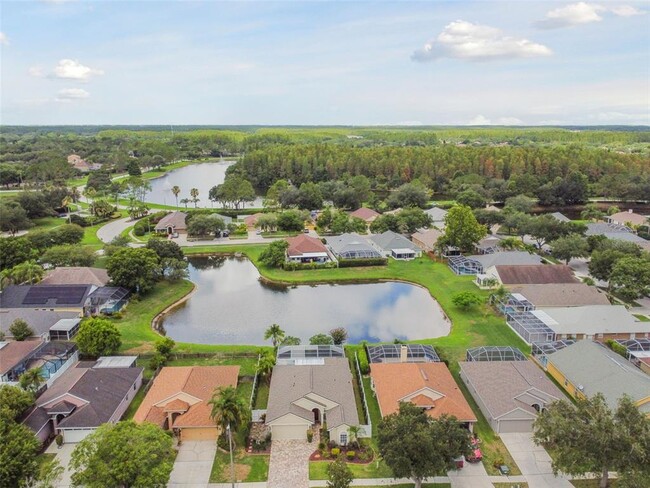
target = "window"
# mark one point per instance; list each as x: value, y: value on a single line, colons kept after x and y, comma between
x: 566, y: 382
x: 343, y: 438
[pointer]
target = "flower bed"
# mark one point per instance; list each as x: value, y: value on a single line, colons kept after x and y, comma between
x: 361, y: 455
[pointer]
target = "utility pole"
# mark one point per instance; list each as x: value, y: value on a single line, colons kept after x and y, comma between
x: 232, y: 462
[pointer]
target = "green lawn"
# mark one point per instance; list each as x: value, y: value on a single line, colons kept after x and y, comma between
x: 47, y: 223
x: 248, y: 467
x: 247, y: 366
x: 262, y: 398
x: 318, y: 470
x: 406, y: 485
x: 137, y: 400
x: 595, y: 483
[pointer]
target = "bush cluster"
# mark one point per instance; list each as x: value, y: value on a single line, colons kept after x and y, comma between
x: 364, y: 365
x: 352, y: 263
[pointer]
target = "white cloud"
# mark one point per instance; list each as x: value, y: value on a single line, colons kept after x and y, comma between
x: 583, y: 13
x: 509, y: 121
x: 36, y: 72
x: 475, y: 42
x: 479, y: 120
x: 70, y: 94
x: 73, y: 70
x: 4, y: 40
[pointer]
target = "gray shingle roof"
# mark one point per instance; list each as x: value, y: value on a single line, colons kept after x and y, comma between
x: 512, y: 258
x: 39, y: 320
x: 331, y: 380
x: 561, y: 294
x: 597, y: 369
x: 498, y: 383
x: 437, y: 214
x: 351, y: 243
x: 390, y: 240
x: 594, y: 319
x: 44, y: 296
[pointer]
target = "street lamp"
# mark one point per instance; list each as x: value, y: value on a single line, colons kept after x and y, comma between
x: 232, y: 462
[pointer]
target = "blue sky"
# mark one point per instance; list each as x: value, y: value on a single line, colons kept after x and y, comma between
x: 317, y: 63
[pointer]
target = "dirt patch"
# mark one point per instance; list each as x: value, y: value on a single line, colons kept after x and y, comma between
x: 140, y: 349
x: 241, y: 471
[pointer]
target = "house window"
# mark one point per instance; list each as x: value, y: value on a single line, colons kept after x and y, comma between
x: 343, y: 438
x: 566, y: 382
x: 133, y: 386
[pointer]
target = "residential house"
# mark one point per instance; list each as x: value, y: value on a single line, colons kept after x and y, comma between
x: 172, y: 223
x: 617, y: 232
x: 437, y: 215
x: 304, y: 396
x: 106, y: 300
x: 352, y: 246
x: 51, y: 358
x: 597, y: 322
x: 251, y: 220
x: 586, y: 368
x: 76, y: 275
x: 531, y: 274
x: 40, y: 321
x: 64, y: 298
x: 306, y: 249
x: 628, y: 219
x: 366, y: 214
x: 638, y: 352
x: 511, y: 394
x: 560, y: 217
x: 82, y: 399
x: 427, y: 239
x: 428, y: 385
x: 307, y: 354
x: 178, y: 400
x: 479, y: 264
x: 80, y: 164
x: 394, y: 245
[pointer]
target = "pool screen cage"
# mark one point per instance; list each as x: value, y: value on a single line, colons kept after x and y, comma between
x: 462, y: 265
x: 495, y: 353
x: 530, y: 327
x: 392, y: 353
x: 546, y: 348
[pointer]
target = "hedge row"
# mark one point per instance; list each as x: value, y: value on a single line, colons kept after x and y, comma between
x: 364, y: 366
x: 297, y: 266
x: 352, y: 263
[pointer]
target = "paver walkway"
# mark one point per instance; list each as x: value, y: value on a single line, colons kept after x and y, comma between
x: 193, y: 465
x: 533, y: 461
x: 289, y: 463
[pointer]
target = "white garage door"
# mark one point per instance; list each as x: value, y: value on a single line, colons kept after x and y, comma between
x: 509, y: 426
x: 279, y: 432
x: 76, y: 435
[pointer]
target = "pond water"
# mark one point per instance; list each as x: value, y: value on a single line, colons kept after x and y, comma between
x: 232, y: 306
x: 200, y: 176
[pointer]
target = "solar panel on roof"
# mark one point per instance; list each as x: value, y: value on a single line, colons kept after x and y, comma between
x: 61, y: 295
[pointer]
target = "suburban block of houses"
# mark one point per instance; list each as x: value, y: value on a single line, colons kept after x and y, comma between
x: 586, y: 368
x: 617, y: 232
x: 509, y: 393
x: 80, y: 164
x: 394, y: 245
x: 306, y: 249
x: 86, y: 396
x: 307, y: 394
x: 178, y: 400
x: 428, y: 385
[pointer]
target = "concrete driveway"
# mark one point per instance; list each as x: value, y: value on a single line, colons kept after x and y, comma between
x: 533, y: 461
x: 289, y: 463
x: 63, y: 455
x: 193, y: 464
x: 110, y: 231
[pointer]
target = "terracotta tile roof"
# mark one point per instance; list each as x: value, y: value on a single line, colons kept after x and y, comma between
x: 76, y: 275
x: 304, y: 244
x: 176, y: 220
x: 395, y: 381
x: 198, y: 382
x: 177, y: 405
x: 625, y: 217
x: 251, y: 220
x: 535, y: 274
x: 365, y: 213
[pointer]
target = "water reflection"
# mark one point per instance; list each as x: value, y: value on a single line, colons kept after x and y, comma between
x: 231, y: 306
x: 200, y: 176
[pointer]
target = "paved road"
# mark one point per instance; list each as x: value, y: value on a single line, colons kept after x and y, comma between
x: 113, y: 229
x: 533, y: 461
x: 193, y: 464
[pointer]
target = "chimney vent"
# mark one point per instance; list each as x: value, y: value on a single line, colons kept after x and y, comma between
x: 403, y: 354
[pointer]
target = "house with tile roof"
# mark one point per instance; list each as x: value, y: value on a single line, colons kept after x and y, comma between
x: 628, y: 218
x: 427, y: 239
x: 76, y: 275
x: 306, y: 249
x: 366, y: 214
x: 82, y: 399
x: 305, y: 395
x: 173, y: 222
x: 509, y: 393
x: 428, y: 385
x: 178, y: 399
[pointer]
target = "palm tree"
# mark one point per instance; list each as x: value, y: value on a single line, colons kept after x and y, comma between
x: 176, y: 191
x: 89, y: 193
x: 185, y: 201
x: 32, y: 379
x: 275, y: 333
x: 265, y: 366
x: 66, y: 202
x: 228, y: 408
x: 29, y: 272
x: 194, y: 193
x: 354, y: 432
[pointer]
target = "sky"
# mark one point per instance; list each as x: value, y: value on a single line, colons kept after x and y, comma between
x: 324, y: 63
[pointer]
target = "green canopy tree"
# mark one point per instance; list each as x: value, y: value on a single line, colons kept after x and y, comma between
x: 134, y: 268
x: 125, y: 454
x: 18, y: 451
x: 321, y: 340
x: 274, y: 255
x: 415, y: 446
x: 569, y: 247
x: 14, y: 401
x: 339, y: 474
x: 20, y: 330
x: 631, y: 276
x: 590, y: 437
x: 98, y: 337
x: 462, y: 230
x: 265, y: 366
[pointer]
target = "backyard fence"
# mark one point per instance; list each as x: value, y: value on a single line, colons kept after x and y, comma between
x: 251, y: 401
x: 366, y: 429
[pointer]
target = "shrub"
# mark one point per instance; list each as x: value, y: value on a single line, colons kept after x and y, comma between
x: 156, y: 361
x: 310, y: 435
x: 20, y: 330
x: 352, y: 263
x: 79, y: 220
x: 350, y: 455
x: 335, y: 451
x: 321, y: 445
x: 59, y: 440
x: 364, y: 366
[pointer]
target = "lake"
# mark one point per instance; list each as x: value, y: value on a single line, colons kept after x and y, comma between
x: 232, y: 306
x: 201, y: 176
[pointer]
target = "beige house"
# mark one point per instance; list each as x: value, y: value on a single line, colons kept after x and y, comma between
x: 427, y: 239
x: 178, y: 400
x: 304, y: 396
x: 173, y: 222
x: 629, y: 218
